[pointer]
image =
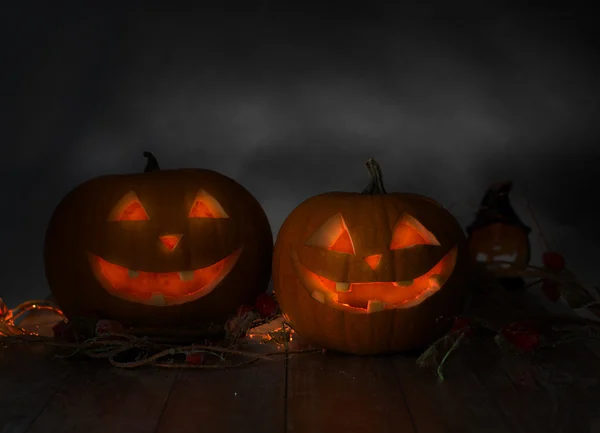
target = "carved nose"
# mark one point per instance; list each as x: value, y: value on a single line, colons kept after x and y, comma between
x: 373, y: 260
x: 170, y: 241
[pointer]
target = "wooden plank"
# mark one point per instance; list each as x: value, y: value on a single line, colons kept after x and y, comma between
x: 333, y: 392
x: 29, y: 377
x: 512, y: 381
x: 459, y: 404
x: 555, y: 390
x: 100, y: 398
x: 571, y: 375
x: 248, y: 399
x: 594, y: 346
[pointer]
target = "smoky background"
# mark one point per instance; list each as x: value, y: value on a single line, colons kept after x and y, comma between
x: 290, y: 102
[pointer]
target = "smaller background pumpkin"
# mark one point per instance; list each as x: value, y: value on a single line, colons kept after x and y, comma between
x: 498, y: 235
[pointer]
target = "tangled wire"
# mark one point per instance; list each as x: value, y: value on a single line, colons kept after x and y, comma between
x: 123, y: 349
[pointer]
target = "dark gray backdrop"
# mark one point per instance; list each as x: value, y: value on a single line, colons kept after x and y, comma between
x: 290, y: 103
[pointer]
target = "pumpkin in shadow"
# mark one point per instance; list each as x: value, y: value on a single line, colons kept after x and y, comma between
x: 370, y: 273
x: 498, y: 240
x: 163, y: 247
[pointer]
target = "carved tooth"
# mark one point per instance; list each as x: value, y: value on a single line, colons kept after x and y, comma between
x: 158, y: 300
x: 186, y: 275
x: 342, y: 287
x: 404, y: 283
x: 318, y: 296
x: 132, y: 274
x: 435, y: 281
x: 375, y: 305
x: 506, y: 257
x: 481, y: 257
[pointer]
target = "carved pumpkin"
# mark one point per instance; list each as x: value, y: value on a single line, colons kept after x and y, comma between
x: 499, y: 235
x: 158, y: 248
x: 370, y: 273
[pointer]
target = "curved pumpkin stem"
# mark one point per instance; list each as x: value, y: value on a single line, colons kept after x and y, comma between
x: 152, y: 164
x: 375, y: 185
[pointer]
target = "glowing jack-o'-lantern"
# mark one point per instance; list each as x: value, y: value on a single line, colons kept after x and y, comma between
x: 497, y: 239
x: 370, y: 273
x: 161, y: 247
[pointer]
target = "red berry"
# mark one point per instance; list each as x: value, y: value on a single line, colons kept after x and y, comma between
x: 522, y: 335
x: 266, y: 305
x: 553, y: 261
x: 551, y: 289
x: 104, y: 326
x: 195, y: 358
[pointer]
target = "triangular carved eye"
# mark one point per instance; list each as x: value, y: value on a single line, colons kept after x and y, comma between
x: 129, y: 208
x: 333, y: 236
x: 206, y: 206
x: 409, y: 232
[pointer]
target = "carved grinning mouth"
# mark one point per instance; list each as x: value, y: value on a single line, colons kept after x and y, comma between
x: 160, y: 288
x: 371, y: 297
x: 503, y: 258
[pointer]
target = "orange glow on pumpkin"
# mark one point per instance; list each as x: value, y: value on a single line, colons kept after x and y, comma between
x: 170, y: 241
x: 160, y: 288
x: 200, y: 210
x: 409, y: 232
x: 343, y: 243
x: 370, y: 297
x: 206, y: 206
x: 129, y: 208
x: 373, y: 260
x: 333, y: 236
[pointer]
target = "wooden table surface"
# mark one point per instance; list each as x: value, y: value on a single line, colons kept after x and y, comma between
x: 556, y: 391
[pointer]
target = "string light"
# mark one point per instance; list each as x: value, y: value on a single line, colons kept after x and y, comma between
x: 9, y: 317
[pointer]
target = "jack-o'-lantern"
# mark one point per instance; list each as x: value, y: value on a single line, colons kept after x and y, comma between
x: 497, y: 239
x: 163, y: 247
x: 370, y: 273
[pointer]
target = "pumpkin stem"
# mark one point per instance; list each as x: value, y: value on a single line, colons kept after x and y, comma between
x: 375, y: 185
x: 152, y: 164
